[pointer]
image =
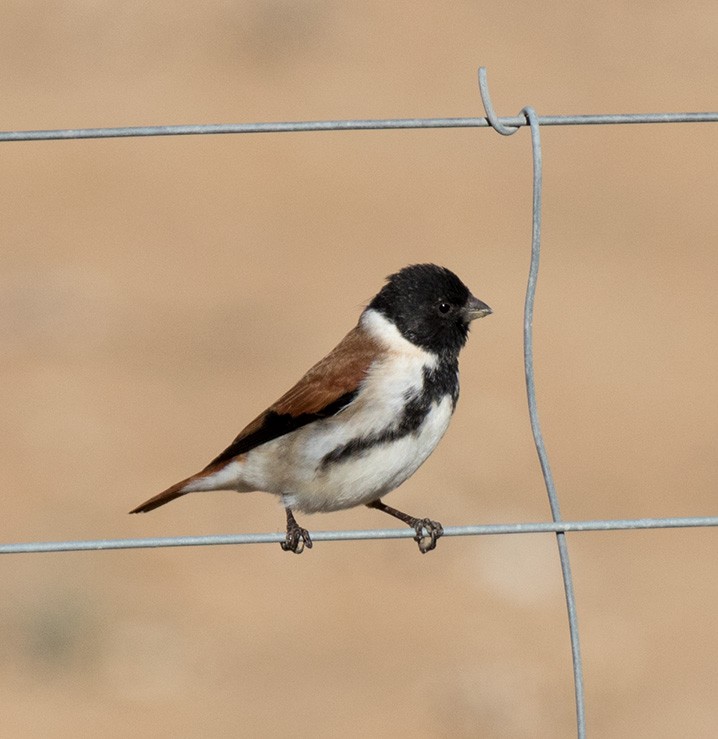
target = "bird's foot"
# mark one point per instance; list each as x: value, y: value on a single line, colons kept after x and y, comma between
x: 297, y: 537
x: 427, y: 534
x: 427, y: 531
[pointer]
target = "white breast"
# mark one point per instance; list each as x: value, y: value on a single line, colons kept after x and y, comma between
x: 376, y: 471
x: 291, y: 466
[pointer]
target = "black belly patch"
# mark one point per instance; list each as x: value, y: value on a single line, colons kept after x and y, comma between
x: 439, y: 382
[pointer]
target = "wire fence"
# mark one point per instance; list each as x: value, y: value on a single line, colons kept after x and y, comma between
x: 351, y: 125
x: 539, y: 527
x: 505, y: 126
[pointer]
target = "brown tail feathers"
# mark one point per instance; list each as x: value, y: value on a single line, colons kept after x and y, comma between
x: 176, y: 491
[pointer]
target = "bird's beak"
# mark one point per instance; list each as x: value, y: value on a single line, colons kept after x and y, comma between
x: 475, y: 308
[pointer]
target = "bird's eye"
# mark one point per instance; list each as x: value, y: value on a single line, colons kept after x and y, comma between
x: 444, y: 308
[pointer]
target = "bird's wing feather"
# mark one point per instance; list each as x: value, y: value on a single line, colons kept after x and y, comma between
x: 327, y: 388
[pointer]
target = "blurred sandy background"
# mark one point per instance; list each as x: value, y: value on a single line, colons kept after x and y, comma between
x: 155, y: 294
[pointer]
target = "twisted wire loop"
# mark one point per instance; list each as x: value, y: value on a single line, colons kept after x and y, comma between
x: 491, y: 116
x: 533, y: 122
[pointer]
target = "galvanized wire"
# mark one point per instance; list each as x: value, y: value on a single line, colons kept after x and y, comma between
x: 536, y: 428
x: 537, y: 158
x: 350, y: 125
x: 540, y: 527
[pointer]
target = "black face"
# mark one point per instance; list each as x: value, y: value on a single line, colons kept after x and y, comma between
x: 430, y: 306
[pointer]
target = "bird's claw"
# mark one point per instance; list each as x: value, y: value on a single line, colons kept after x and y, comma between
x: 297, y: 538
x: 427, y: 534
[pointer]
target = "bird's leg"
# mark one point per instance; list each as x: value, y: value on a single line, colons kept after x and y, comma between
x: 297, y: 537
x: 427, y: 531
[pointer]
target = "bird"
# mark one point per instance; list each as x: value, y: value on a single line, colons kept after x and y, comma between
x: 364, y: 418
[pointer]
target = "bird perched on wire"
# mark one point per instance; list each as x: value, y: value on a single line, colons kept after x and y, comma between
x: 363, y: 419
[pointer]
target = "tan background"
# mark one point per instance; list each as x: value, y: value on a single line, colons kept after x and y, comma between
x: 155, y: 294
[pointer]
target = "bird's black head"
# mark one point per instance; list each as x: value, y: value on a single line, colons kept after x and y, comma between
x: 430, y: 306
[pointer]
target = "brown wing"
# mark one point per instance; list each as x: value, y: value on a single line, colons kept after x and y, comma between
x: 325, y: 389
x: 328, y: 387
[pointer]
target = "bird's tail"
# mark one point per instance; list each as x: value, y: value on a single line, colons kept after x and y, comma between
x: 172, y: 493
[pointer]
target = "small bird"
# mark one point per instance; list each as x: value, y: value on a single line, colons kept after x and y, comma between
x: 363, y: 419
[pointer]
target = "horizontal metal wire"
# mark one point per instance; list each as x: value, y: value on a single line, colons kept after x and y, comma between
x: 352, y: 125
x: 548, y: 527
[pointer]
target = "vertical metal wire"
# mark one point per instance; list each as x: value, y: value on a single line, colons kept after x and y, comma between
x: 536, y: 428
x: 533, y: 122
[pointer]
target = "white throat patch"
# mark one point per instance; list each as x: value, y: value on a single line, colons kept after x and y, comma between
x: 383, y: 330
